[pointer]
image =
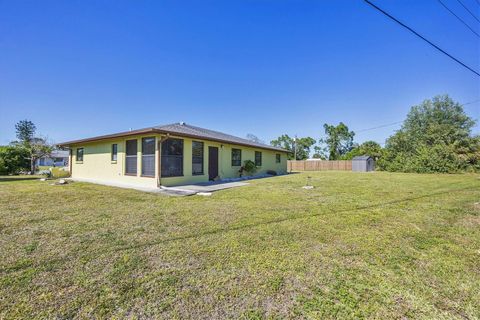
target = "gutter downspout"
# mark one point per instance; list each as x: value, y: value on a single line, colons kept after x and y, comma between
x: 70, y: 161
x: 159, y: 169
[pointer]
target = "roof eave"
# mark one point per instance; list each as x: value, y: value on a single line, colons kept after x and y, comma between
x: 220, y: 140
x: 155, y: 130
x: 108, y: 136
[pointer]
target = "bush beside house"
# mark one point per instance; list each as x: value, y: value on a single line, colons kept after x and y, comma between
x: 13, y: 160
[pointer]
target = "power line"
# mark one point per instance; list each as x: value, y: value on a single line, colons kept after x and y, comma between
x: 422, y: 37
x: 460, y: 19
x: 381, y: 126
x: 465, y: 7
x: 398, y: 122
x: 467, y: 103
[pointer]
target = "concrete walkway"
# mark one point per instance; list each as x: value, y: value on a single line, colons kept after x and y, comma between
x: 186, y: 190
x: 116, y: 184
x: 209, y: 186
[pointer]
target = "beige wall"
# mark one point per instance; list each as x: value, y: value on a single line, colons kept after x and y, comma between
x: 97, y: 164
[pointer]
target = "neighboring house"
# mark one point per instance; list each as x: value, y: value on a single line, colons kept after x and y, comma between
x: 58, y: 158
x: 173, y: 154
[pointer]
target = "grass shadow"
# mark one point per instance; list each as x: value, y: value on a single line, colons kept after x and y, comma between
x: 18, y: 178
x: 274, y: 221
x: 262, y: 223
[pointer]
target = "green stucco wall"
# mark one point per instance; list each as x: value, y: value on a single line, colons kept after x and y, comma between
x: 98, y: 167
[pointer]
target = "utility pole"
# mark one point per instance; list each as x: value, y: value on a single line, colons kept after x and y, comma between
x: 295, y: 148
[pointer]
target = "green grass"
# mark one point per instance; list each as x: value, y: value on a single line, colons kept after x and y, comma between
x: 375, y: 245
x: 57, y: 172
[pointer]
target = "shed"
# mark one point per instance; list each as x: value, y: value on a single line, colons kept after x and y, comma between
x: 363, y: 164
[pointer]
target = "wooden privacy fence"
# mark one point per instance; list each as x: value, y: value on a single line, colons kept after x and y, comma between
x: 319, y: 165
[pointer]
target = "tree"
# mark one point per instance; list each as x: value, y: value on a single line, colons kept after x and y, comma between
x: 302, y: 146
x: 338, y: 141
x: 36, y: 147
x: 435, y: 137
x: 254, y: 138
x: 370, y: 148
x: 25, y: 130
x: 318, y: 153
x: 13, y: 160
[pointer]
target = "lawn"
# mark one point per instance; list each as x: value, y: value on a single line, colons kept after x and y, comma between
x: 374, y: 245
x: 57, y: 172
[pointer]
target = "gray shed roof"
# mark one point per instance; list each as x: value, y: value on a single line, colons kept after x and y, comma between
x: 185, y: 130
x: 361, y: 158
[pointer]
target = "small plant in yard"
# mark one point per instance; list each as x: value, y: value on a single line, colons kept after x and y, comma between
x: 248, y: 167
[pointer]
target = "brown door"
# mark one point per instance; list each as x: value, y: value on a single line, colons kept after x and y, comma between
x: 212, y: 162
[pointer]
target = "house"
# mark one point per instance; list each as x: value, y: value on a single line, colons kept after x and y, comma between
x: 58, y: 158
x: 168, y: 155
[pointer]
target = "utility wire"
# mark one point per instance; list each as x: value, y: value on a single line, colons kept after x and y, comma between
x: 381, y: 126
x: 466, y: 8
x: 474, y: 101
x: 398, y: 122
x: 460, y: 19
x: 422, y: 37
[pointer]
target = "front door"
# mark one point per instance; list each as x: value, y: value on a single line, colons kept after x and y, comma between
x: 212, y: 162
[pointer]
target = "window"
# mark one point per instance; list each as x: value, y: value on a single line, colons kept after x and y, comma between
x: 236, y: 157
x: 277, y: 158
x: 148, y: 157
x: 197, y: 158
x: 131, y: 157
x: 258, y: 158
x: 114, y: 152
x: 79, y: 154
x: 172, y: 158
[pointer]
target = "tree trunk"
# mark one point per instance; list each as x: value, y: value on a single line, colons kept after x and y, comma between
x: 32, y: 165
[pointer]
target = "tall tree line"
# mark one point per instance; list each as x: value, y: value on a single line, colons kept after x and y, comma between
x: 436, y: 136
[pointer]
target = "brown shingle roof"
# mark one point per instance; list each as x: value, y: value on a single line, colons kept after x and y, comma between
x: 184, y: 130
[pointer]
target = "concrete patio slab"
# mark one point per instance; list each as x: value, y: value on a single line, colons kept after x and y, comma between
x: 186, y: 190
x: 117, y: 184
x: 208, y: 187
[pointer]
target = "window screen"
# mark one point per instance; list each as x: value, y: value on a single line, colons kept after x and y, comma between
x: 148, y: 156
x: 114, y: 152
x: 197, y: 157
x: 277, y: 158
x: 79, y: 154
x: 236, y: 157
x: 172, y: 158
x: 258, y: 158
x: 131, y: 157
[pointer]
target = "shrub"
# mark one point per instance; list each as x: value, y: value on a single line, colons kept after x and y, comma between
x: 248, y: 167
x: 13, y: 160
x: 272, y: 172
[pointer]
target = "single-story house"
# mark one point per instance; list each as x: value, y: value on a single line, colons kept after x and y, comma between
x: 58, y: 158
x: 169, y: 155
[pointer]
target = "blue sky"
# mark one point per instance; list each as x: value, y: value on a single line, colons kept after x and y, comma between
x: 266, y: 67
